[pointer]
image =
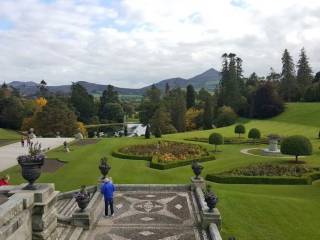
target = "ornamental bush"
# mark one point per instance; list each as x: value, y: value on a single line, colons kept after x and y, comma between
x: 296, y: 145
x: 239, y: 129
x: 254, y: 134
x: 216, y: 139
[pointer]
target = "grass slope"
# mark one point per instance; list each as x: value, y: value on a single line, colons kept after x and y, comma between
x: 8, y: 136
x: 250, y: 212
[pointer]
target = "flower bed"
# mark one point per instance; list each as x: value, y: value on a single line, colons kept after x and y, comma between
x: 268, y: 174
x: 165, y: 154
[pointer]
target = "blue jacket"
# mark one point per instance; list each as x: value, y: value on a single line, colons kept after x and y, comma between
x: 107, y: 190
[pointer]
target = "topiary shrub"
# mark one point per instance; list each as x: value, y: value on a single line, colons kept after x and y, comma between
x: 147, y: 133
x: 216, y: 139
x: 254, y: 134
x: 239, y: 129
x: 296, y: 145
x: 319, y: 135
x: 157, y: 133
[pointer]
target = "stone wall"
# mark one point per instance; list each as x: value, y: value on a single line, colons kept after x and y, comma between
x: 28, y: 214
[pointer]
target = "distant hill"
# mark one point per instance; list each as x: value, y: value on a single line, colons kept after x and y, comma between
x: 208, y: 80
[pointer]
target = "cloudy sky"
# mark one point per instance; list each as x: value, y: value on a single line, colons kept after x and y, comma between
x: 131, y: 43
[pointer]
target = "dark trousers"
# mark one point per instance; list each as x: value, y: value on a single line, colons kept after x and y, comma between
x: 107, y: 203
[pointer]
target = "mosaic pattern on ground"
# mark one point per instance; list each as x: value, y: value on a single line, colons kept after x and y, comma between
x: 149, y: 216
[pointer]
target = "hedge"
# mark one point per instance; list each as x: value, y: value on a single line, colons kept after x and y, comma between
x: 232, y: 140
x: 163, y: 166
x: 128, y: 156
x: 276, y: 180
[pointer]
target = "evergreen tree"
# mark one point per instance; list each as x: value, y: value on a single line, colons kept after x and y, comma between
x: 304, y: 73
x: 83, y: 103
x: 208, y: 114
x: 288, y: 84
x: 177, y: 105
x: 147, y: 133
x: 266, y: 102
x: 161, y: 119
x: 108, y: 96
x: 149, y: 104
x: 230, y: 91
x: 191, y: 97
x: 317, y: 78
x: 112, y: 112
x: 43, y: 89
x: 11, y: 112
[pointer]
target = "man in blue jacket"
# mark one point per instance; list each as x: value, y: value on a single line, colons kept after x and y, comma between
x: 107, y: 189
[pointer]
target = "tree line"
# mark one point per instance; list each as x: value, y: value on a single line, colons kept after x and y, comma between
x: 173, y: 110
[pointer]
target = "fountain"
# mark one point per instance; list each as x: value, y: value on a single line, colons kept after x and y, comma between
x: 273, y: 145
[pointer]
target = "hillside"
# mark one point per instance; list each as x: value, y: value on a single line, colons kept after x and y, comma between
x: 208, y: 80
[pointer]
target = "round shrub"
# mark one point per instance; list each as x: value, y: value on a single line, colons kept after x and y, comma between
x: 216, y: 139
x: 226, y: 117
x: 239, y: 129
x: 254, y: 134
x: 296, y: 145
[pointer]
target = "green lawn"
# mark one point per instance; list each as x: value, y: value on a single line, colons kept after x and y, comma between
x: 8, y: 136
x: 250, y: 212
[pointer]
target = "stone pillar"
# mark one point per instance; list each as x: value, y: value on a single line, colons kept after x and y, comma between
x: 44, y: 215
x: 201, y: 183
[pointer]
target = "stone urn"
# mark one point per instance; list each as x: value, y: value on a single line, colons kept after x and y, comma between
x: 211, y: 200
x: 196, y: 168
x: 31, y: 165
x: 104, y: 167
x: 82, y: 198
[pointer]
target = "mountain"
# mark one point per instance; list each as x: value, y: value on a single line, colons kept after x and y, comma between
x: 208, y: 80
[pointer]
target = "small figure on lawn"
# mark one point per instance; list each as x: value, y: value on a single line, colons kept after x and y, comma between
x: 22, y: 141
x: 107, y: 189
x: 65, y: 145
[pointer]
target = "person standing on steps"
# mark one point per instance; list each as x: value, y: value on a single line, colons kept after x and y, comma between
x: 107, y: 189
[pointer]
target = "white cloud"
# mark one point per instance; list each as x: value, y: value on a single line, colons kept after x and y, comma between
x: 136, y: 42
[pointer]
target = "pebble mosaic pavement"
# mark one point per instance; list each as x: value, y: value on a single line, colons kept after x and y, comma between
x: 150, y: 216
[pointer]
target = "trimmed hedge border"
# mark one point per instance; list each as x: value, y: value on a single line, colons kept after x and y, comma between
x: 231, y: 140
x: 164, y: 166
x: 275, y: 180
x: 161, y: 166
x: 118, y: 154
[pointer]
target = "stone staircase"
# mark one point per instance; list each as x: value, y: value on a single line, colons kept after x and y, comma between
x: 68, y: 232
x: 66, y: 207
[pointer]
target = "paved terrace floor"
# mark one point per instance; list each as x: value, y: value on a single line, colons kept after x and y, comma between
x: 9, y: 153
x: 150, y: 216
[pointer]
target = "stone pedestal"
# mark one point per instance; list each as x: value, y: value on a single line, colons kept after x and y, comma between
x: 44, y: 216
x: 200, y: 182
x: 87, y: 218
x: 211, y: 217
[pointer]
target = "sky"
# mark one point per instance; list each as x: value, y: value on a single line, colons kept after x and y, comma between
x: 133, y: 43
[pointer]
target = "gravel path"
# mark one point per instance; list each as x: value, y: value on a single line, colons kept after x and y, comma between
x: 9, y: 153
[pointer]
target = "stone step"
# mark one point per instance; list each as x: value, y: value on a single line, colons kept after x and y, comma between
x: 70, y: 208
x: 67, y: 207
x: 63, y: 205
x: 76, y: 234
